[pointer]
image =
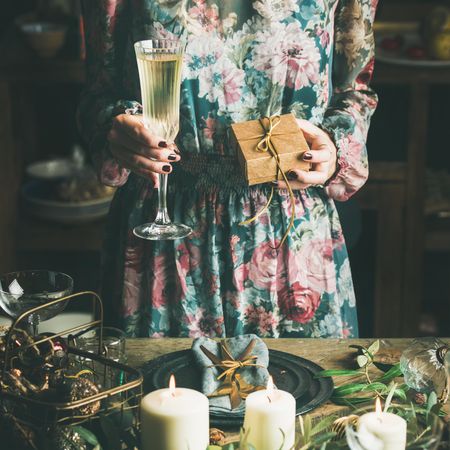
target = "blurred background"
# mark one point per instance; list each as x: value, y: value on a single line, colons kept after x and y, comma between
x: 52, y: 210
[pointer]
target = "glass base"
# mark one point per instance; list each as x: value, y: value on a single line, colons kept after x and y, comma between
x: 155, y: 232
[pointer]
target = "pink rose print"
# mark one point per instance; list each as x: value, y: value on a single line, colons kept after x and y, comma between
x: 158, y: 281
x: 207, y: 16
x: 263, y: 266
x: 264, y: 320
x: 298, y: 303
x: 317, y: 258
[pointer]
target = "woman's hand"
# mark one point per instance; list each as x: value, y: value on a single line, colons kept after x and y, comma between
x: 140, y: 151
x: 322, y: 156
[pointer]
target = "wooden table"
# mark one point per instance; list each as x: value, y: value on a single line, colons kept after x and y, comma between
x: 329, y: 353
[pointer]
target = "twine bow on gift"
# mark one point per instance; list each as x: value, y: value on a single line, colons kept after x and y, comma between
x: 266, y: 145
x: 233, y: 383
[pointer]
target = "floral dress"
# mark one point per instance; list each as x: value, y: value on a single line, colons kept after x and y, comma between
x: 243, y: 59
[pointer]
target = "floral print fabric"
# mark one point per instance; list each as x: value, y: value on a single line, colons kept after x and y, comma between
x: 243, y: 59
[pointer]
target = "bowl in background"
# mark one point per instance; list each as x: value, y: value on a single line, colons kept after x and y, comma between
x: 44, y: 37
x: 51, y: 169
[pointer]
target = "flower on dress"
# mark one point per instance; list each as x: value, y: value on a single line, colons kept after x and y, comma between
x: 316, y: 256
x: 345, y: 290
x: 287, y: 54
x: 264, y: 320
x: 202, y: 323
x: 276, y: 10
x: 298, y: 303
x: 221, y: 82
x: 352, y: 32
x: 202, y: 17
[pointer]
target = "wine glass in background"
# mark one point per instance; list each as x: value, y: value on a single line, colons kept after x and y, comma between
x: 23, y: 290
x: 159, y: 63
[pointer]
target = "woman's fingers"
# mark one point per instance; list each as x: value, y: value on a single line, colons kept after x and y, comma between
x: 300, y: 179
x: 134, y: 128
x: 138, y: 163
x: 317, y: 156
x: 122, y: 139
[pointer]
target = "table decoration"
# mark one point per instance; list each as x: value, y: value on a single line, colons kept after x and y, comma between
x: 54, y: 396
x: 270, y: 419
x: 422, y: 412
x: 291, y: 373
x: 380, y: 430
x: 423, y: 365
x: 231, y: 370
x: 174, y: 419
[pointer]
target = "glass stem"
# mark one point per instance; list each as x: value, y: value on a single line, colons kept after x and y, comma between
x: 162, y: 217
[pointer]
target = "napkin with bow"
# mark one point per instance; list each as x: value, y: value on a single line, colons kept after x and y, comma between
x: 231, y: 369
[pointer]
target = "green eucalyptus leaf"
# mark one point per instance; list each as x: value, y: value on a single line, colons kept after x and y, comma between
x: 325, y: 437
x: 362, y: 360
x: 348, y: 389
x: 87, y: 435
x: 432, y: 400
x: 351, y: 401
x: 214, y: 447
x: 394, y: 372
x: 307, y: 424
x: 400, y: 393
x: 374, y: 348
x: 323, y: 425
x: 335, y: 372
x: 389, y: 397
x: 375, y: 386
x: 226, y: 447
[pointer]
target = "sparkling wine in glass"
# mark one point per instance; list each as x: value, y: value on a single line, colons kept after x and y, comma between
x: 159, y: 63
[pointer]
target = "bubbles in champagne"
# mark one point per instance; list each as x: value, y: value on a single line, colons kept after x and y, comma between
x: 160, y: 79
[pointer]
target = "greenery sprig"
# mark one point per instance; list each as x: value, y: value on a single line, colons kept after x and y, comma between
x: 349, y: 394
x: 322, y: 434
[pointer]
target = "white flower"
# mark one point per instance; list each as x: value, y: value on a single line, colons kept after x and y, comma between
x: 201, y: 54
x: 276, y: 10
x: 287, y: 54
x: 345, y: 286
x: 331, y: 326
x: 221, y: 82
x: 229, y: 23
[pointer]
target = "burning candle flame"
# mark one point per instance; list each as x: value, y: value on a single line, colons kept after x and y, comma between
x: 378, y: 409
x: 172, y: 386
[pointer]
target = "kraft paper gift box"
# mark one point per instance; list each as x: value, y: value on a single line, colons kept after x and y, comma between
x: 286, y: 138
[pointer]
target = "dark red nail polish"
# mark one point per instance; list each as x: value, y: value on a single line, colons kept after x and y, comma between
x: 166, y: 168
x: 162, y: 144
x: 307, y: 156
x: 291, y: 176
x: 172, y: 157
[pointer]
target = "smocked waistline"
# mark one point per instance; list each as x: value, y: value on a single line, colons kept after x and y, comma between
x: 206, y: 172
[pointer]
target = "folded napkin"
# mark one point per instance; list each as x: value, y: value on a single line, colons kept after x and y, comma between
x: 231, y: 369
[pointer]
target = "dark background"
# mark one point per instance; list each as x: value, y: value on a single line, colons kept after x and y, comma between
x: 400, y: 255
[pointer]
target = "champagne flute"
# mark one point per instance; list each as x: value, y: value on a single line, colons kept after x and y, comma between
x: 159, y: 62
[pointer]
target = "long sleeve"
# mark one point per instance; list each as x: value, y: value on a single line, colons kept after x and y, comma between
x: 103, y: 97
x: 352, y: 102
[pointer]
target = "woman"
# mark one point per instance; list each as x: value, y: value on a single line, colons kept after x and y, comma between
x: 311, y: 57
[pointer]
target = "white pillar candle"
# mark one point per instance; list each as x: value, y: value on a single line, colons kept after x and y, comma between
x: 270, y: 419
x: 387, y: 428
x: 174, y: 419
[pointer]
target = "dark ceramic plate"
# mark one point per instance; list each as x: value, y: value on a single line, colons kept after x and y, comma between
x: 290, y: 373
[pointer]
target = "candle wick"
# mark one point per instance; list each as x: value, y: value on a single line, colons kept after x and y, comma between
x: 270, y: 400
